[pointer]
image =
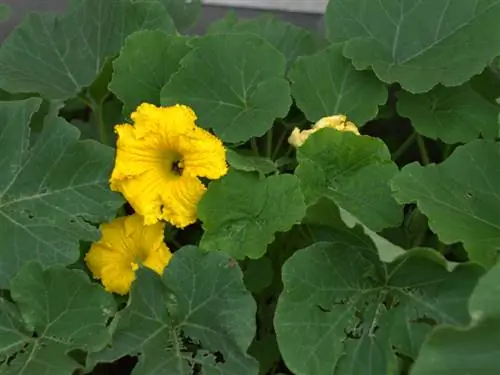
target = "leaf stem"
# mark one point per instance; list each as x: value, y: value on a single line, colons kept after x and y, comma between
x: 281, y: 139
x: 423, y: 150
x: 101, y: 125
x: 269, y: 143
x: 404, y: 146
x: 253, y: 145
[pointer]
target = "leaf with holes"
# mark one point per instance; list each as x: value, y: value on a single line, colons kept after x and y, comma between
x: 292, y: 41
x: 460, y: 197
x: 417, y: 43
x: 200, y: 315
x: 235, y: 83
x: 59, y: 56
x: 326, y: 84
x: 58, y: 311
x: 241, y: 212
x: 51, y: 192
x: 459, y: 350
x: 354, y: 172
x: 454, y: 115
x: 347, y: 307
x: 146, y: 63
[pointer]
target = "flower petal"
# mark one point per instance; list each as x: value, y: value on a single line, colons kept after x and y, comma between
x: 180, y: 201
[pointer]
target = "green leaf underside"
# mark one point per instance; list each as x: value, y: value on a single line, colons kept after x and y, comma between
x: 59, y: 56
x: 417, y: 43
x: 146, y: 63
x: 351, y: 312
x: 241, y: 212
x: 327, y: 84
x: 65, y: 310
x: 354, y: 172
x: 292, y: 41
x: 235, y: 83
x: 250, y: 163
x: 467, y: 350
x: 457, y: 114
x: 201, y: 304
x: 50, y: 192
x: 459, y: 197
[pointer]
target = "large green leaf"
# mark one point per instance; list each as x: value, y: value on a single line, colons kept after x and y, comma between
x: 241, y: 212
x: 467, y: 350
x: 58, y: 56
x: 417, y: 43
x: 200, y: 308
x: 59, y: 311
x: 327, y: 84
x: 289, y: 39
x: 49, y: 193
x: 184, y: 12
x: 146, y: 63
x: 235, y: 83
x: 457, y: 114
x: 352, y: 312
x: 354, y: 172
x: 459, y: 196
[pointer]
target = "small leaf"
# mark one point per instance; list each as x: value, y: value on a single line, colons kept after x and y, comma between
x: 200, y: 308
x: 66, y: 312
x: 454, y: 115
x: 241, y: 212
x: 235, y: 83
x: 467, y: 350
x: 354, y: 172
x: 326, y: 84
x: 250, y: 163
x: 343, y: 303
x: 418, y: 44
x: 292, y: 41
x: 258, y: 274
x: 146, y: 63
x: 49, y: 193
x: 184, y: 12
x: 58, y: 56
x: 463, y: 204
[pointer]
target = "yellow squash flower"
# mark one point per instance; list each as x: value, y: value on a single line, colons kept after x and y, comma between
x: 125, y: 243
x: 158, y: 162
x: 338, y: 122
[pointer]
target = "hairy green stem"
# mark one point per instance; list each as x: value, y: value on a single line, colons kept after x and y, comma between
x: 404, y: 146
x: 253, y: 145
x: 101, y: 125
x: 423, y: 150
x: 281, y: 139
x: 269, y: 143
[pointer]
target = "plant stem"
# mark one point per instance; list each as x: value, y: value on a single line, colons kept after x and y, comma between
x: 446, y: 151
x: 423, y: 150
x: 269, y: 143
x: 101, y: 125
x: 404, y: 146
x: 281, y: 139
x: 253, y: 145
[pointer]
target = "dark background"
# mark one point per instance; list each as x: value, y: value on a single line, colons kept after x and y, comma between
x: 209, y: 14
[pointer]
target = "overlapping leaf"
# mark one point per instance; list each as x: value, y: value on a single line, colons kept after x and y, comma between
x: 235, y: 83
x: 250, y: 163
x: 354, y: 172
x: 417, y: 43
x: 58, y: 311
x: 467, y: 350
x: 183, y: 12
x: 200, y: 310
x: 352, y: 312
x: 48, y: 192
x: 58, y: 56
x: 146, y: 63
x: 460, y: 197
x: 241, y: 212
x: 289, y: 39
x: 327, y: 84
x: 454, y: 115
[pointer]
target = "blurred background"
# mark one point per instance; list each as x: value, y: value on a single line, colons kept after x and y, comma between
x: 304, y: 13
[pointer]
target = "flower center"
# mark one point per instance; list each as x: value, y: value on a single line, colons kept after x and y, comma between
x: 177, y: 167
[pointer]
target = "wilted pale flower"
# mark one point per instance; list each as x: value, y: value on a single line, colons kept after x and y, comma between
x: 159, y: 160
x: 338, y: 122
x: 125, y: 243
